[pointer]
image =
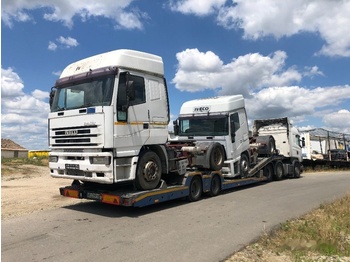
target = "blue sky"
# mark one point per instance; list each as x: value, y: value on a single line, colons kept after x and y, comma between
x: 288, y: 58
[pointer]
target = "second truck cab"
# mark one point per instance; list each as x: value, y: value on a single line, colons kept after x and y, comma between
x: 221, y: 119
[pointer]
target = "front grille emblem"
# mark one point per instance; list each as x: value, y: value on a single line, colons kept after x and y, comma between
x: 71, y: 132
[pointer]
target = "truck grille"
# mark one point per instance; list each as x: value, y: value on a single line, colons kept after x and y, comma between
x: 75, y: 136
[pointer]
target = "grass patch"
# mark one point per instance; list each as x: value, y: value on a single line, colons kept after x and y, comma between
x: 9, y: 166
x: 14, y: 162
x: 323, y: 232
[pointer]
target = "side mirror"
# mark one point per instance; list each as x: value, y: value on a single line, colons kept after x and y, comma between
x: 303, y: 142
x: 52, y: 96
x: 130, y: 89
x: 233, y: 131
x: 176, y: 127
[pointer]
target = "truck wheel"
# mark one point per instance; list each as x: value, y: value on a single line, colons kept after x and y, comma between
x: 148, y: 171
x: 195, y: 189
x: 244, y: 165
x: 215, y: 186
x: 296, y: 169
x: 268, y: 172
x: 217, y: 157
x: 268, y: 145
x: 279, y: 171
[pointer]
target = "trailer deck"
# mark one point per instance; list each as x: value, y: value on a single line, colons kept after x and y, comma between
x: 161, y: 194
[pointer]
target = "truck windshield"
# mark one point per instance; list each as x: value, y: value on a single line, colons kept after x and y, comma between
x: 203, y: 126
x: 92, y: 92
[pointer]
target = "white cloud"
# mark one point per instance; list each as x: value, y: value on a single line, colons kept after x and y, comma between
x: 57, y: 73
x: 64, y: 11
x: 52, y: 46
x: 260, y: 18
x: 23, y: 116
x: 67, y: 42
x: 193, y: 60
x: 41, y: 95
x: 197, y: 7
x: 63, y: 43
x: 198, y: 71
x: 294, y: 101
x: 339, y: 121
x: 312, y: 71
x: 11, y: 83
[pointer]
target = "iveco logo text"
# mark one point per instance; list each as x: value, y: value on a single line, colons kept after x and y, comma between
x: 71, y: 132
x: 201, y: 109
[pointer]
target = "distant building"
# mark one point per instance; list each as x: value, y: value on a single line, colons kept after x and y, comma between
x: 10, y: 149
x: 321, y: 144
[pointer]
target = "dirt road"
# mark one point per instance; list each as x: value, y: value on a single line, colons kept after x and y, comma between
x: 31, y: 189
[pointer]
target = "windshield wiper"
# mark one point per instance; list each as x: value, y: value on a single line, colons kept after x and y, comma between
x: 61, y: 108
x: 87, y: 105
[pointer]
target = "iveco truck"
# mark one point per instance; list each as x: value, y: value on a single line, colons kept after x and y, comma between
x: 108, y: 132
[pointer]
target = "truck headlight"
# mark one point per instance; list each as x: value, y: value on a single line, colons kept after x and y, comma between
x: 53, y: 159
x: 100, y: 160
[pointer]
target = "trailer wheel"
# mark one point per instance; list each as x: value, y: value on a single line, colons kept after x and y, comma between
x: 196, y: 189
x: 149, y: 171
x: 268, y: 172
x: 217, y: 157
x: 279, y: 171
x: 244, y: 165
x: 296, y: 169
x: 215, y: 186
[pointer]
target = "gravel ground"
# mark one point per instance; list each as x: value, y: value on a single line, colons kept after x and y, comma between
x: 31, y: 192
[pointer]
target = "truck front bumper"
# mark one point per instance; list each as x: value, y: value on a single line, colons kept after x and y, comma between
x: 86, y: 166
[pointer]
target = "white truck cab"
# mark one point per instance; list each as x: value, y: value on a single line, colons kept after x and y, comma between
x: 287, y: 137
x: 219, y: 119
x: 105, y: 111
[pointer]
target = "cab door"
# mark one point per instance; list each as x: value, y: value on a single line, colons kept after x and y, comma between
x: 132, y: 118
x: 239, y: 133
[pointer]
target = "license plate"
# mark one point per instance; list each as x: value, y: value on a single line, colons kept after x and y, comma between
x: 93, y: 196
x: 72, y: 166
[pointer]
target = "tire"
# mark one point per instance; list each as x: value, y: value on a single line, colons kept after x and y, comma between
x: 244, y: 165
x: 296, y: 169
x: 268, y: 145
x: 195, y: 190
x: 279, y: 171
x: 217, y: 157
x: 149, y: 171
x: 268, y: 172
x: 215, y: 186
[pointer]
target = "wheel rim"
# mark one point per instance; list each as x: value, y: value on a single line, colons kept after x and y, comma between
x: 150, y: 171
x: 279, y: 170
x: 195, y: 189
x: 217, y: 156
x: 244, y: 164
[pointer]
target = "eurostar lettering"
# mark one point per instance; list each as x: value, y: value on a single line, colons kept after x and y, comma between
x: 201, y: 109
